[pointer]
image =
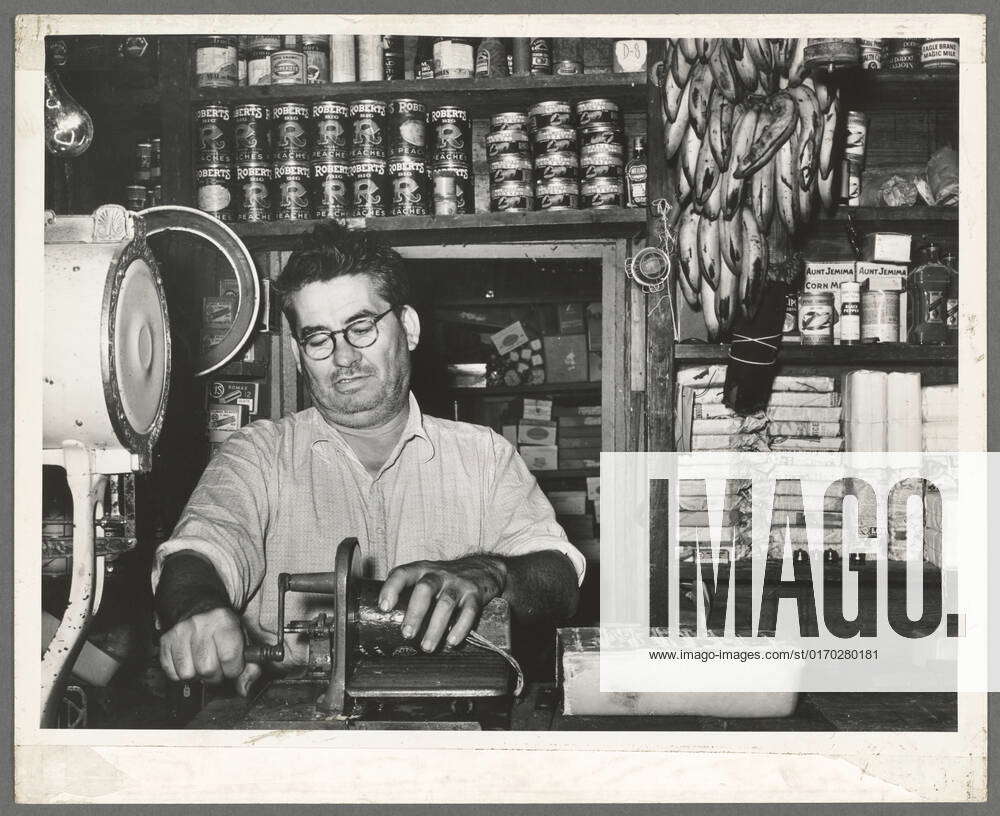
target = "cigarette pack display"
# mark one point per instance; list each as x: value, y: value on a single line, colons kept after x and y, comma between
x: 223, y: 392
x: 536, y: 432
x: 568, y: 502
x: 579, y: 421
x: 540, y: 457
x: 565, y: 357
x: 218, y: 312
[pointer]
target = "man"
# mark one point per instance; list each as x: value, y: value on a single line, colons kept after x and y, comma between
x: 445, y: 508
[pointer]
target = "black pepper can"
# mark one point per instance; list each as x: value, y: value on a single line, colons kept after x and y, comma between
x: 464, y: 189
x: 393, y: 62
x: 407, y: 129
x: 291, y: 180
x: 368, y: 116
x: 289, y: 128
x: 213, y: 123
x: 213, y: 190
x: 410, y: 187
x: 452, y: 135
x: 251, y: 133
x: 331, y: 125
x: 253, y: 180
x: 370, y: 188
x: 331, y: 189
x: 541, y: 56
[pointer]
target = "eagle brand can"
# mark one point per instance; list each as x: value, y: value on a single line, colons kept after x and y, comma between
x: 331, y: 189
x: 939, y: 55
x: 464, y: 190
x: 554, y: 140
x: 602, y: 194
x: 452, y: 135
x: 508, y: 143
x: 368, y: 116
x: 410, y: 187
x: 408, y: 129
x: 370, y: 187
x: 552, y: 113
x: 511, y: 169
x: 251, y: 132
x: 289, y: 124
x: 597, y: 112
x: 253, y: 179
x: 291, y: 180
x: 331, y: 131
x: 213, y: 190
x: 512, y: 198
x: 215, y: 140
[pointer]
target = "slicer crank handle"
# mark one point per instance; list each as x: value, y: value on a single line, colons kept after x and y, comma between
x: 320, y: 582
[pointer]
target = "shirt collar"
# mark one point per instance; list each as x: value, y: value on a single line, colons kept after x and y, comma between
x: 323, y: 431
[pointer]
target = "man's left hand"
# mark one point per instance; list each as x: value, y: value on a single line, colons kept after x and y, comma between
x: 447, y: 591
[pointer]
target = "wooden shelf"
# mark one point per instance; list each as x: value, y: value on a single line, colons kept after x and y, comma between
x: 481, y: 97
x: 882, y: 354
x: 898, y: 90
x: 408, y: 230
x: 867, y: 214
x: 524, y: 390
x: 525, y: 300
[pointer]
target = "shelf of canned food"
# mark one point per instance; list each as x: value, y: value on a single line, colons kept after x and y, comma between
x: 291, y: 160
x: 866, y: 354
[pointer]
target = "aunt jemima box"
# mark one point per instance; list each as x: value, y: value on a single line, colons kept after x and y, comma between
x: 827, y: 276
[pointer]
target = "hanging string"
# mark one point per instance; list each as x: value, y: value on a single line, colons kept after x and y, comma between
x: 753, y: 342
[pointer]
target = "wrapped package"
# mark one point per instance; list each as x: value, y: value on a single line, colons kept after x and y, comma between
x: 942, y: 176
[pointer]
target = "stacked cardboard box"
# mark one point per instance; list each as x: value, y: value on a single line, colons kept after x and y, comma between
x: 579, y: 436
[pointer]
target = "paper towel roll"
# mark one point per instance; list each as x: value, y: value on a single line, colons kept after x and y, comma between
x: 903, y: 411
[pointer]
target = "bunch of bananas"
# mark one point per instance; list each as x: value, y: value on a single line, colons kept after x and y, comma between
x: 748, y: 133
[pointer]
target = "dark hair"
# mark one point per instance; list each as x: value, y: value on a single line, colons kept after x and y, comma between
x: 333, y: 250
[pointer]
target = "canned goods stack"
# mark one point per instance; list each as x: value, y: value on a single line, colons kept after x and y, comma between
x: 854, y: 155
x: 554, y: 145
x: 408, y: 175
x: 251, y: 138
x: 369, y: 171
x: 602, y: 154
x: 290, y: 160
x: 213, y: 172
x: 145, y: 190
x: 332, y: 132
x: 451, y: 160
x: 508, y: 152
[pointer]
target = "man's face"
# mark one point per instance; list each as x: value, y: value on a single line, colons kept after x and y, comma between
x: 355, y: 388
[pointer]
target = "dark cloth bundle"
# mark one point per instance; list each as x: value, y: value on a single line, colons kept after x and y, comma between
x: 753, y: 352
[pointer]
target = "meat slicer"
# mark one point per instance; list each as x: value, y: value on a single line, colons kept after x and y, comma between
x: 106, y: 376
x: 361, y: 672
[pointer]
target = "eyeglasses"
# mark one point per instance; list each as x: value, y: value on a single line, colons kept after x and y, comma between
x: 319, y: 345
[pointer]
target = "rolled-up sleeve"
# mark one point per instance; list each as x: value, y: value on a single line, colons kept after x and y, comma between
x: 226, y: 518
x: 519, y: 518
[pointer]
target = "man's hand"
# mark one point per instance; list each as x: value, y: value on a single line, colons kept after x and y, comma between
x: 208, y: 647
x: 448, y: 590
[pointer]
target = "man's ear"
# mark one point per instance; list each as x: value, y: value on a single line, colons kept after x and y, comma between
x: 411, y: 325
x: 296, y: 351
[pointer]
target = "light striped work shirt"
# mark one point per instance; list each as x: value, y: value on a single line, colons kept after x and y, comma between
x: 280, y: 496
